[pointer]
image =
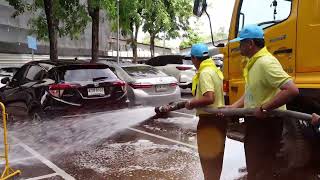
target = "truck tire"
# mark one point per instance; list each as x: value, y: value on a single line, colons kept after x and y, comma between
x: 295, y: 151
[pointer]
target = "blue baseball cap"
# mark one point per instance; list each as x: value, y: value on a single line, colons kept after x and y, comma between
x: 251, y: 31
x: 199, y: 50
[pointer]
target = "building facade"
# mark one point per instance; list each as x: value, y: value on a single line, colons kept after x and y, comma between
x: 14, y: 48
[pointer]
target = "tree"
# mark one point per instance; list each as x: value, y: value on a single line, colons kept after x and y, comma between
x: 52, y: 19
x: 94, y: 11
x: 192, y: 37
x: 168, y: 16
x: 130, y: 15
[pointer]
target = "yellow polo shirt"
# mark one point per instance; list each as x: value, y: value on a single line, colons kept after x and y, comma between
x: 210, y: 81
x: 264, y: 79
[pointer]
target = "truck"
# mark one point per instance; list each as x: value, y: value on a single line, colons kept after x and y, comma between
x: 292, y: 34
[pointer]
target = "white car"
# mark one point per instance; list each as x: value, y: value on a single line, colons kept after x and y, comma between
x: 146, y: 85
x: 177, y: 66
x: 7, y: 72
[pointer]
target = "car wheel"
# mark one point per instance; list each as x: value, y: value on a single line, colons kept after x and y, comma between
x: 16, y: 111
x: 295, y: 151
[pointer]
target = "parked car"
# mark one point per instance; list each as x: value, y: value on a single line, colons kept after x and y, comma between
x: 46, y: 88
x: 7, y: 72
x: 147, y: 85
x: 177, y: 66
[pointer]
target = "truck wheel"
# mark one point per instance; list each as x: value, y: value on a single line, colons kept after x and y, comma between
x: 295, y: 151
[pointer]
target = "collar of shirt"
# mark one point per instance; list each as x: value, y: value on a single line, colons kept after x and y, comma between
x: 262, y: 52
x: 204, y: 64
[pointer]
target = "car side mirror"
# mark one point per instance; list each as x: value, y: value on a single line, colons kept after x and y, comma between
x: 220, y: 45
x: 5, y: 80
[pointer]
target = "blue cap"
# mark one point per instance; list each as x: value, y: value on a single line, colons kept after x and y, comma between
x: 251, y: 31
x: 199, y: 50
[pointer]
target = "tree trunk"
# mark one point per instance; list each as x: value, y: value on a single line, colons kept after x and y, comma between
x: 52, y: 23
x: 94, y: 14
x: 152, y: 38
x: 134, y: 43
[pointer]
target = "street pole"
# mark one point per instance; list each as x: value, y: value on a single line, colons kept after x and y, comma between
x: 118, y: 32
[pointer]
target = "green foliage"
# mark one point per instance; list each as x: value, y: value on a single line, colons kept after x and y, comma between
x: 71, y: 16
x: 192, y: 37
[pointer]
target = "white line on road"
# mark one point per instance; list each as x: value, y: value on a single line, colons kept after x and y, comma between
x: 47, y: 162
x: 44, y: 176
x: 163, y: 138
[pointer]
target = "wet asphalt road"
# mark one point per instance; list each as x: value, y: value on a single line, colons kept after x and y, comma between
x: 122, y: 144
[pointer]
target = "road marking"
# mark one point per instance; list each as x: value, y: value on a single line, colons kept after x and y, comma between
x: 163, y: 138
x: 47, y: 162
x: 44, y: 176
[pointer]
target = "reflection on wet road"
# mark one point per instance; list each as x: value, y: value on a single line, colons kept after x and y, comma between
x: 123, y: 144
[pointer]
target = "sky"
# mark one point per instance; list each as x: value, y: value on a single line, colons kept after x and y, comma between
x: 220, y: 12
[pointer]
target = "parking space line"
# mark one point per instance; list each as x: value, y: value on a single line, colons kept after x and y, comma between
x: 48, y: 163
x: 43, y: 177
x: 163, y: 138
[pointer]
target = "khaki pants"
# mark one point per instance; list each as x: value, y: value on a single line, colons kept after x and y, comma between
x: 211, y: 136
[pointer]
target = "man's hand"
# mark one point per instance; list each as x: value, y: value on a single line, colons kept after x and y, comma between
x: 188, y: 105
x: 315, y: 119
x: 259, y: 113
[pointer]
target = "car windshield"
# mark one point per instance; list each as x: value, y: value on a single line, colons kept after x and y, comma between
x: 143, y: 71
x: 87, y: 74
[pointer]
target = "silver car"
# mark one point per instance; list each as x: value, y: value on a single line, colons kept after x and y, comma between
x: 177, y: 66
x: 147, y: 85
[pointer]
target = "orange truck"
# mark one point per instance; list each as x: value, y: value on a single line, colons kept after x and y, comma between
x: 292, y: 34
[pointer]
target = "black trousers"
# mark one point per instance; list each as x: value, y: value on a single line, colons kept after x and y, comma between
x: 262, y: 142
x: 211, y: 136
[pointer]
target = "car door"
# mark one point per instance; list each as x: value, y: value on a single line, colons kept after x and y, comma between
x: 12, y: 92
x: 20, y: 89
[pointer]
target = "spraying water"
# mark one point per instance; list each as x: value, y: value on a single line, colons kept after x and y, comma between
x: 68, y: 135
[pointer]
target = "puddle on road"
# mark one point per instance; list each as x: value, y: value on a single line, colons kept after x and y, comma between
x: 67, y: 135
x: 142, y: 159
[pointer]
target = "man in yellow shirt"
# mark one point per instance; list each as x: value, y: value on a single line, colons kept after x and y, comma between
x: 267, y: 87
x: 207, y: 87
